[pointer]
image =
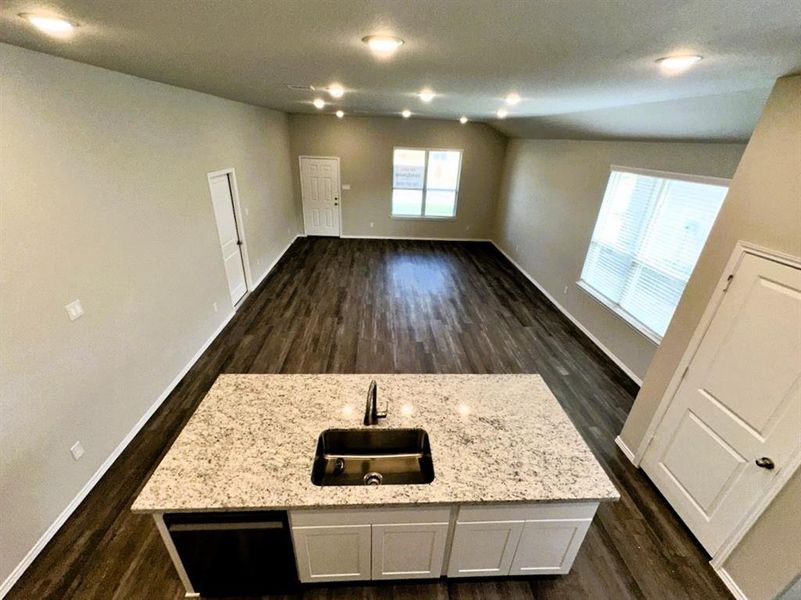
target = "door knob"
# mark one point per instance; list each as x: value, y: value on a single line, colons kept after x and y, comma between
x: 765, y: 463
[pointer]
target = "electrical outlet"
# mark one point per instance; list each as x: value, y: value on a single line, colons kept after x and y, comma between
x: 74, y: 310
x: 247, y: 211
x: 77, y: 450
x: 345, y: 186
x: 288, y: 231
x: 371, y: 223
x: 565, y: 290
x: 467, y: 228
x: 214, y: 305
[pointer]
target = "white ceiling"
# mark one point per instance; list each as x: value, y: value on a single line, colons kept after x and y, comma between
x: 585, y: 68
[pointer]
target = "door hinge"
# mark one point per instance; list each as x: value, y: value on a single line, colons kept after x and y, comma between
x: 728, y: 282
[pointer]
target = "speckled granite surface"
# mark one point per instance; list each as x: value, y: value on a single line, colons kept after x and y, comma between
x: 494, y: 438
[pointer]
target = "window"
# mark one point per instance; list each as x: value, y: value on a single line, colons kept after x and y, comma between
x: 650, y: 232
x: 425, y: 183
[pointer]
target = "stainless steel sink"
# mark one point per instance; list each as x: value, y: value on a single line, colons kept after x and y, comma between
x: 372, y: 457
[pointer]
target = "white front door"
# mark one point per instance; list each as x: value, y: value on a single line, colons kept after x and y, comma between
x: 231, y: 245
x: 738, y: 409
x: 319, y: 184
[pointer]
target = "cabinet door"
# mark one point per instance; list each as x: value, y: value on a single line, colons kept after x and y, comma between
x: 483, y: 549
x: 549, y: 547
x: 332, y: 553
x: 409, y: 550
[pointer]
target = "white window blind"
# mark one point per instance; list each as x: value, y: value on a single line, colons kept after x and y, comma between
x: 649, y: 234
x: 425, y: 183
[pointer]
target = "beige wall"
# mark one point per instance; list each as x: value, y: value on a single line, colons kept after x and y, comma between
x: 551, y: 194
x: 365, y: 144
x: 104, y: 198
x: 763, y: 207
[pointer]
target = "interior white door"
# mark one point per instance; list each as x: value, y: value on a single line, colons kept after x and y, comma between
x: 738, y: 408
x: 320, y: 190
x: 233, y: 260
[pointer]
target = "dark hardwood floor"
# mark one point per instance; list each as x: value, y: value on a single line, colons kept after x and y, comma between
x: 381, y: 306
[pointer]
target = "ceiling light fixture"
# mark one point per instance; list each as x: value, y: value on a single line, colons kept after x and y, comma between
x: 502, y: 113
x: 49, y: 25
x: 426, y: 95
x: 463, y: 119
x: 406, y: 113
x: 336, y: 90
x: 677, y: 64
x: 318, y: 103
x: 383, y: 46
x: 512, y: 98
x: 340, y: 114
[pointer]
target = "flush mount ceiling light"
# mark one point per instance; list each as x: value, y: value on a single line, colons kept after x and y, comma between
x: 406, y: 113
x: 318, y: 103
x: 512, y: 99
x: 336, y: 90
x: 463, y: 119
x: 340, y: 114
x: 502, y: 113
x: 677, y: 64
x: 426, y: 95
x: 383, y: 46
x: 50, y: 25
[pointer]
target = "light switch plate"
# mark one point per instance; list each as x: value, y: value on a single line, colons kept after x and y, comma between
x: 74, y: 310
x: 345, y: 186
x: 76, y: 450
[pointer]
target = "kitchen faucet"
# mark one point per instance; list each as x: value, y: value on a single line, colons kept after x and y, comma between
x: 371, y: 414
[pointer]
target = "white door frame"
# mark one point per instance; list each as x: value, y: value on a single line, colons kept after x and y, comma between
x: 339, y: 181
x: 240, y: 225
x: 740, y: 250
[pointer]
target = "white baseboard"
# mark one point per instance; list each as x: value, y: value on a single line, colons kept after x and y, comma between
x: 422, y: 239
x: 575, y: 321
x: 626, y: 450
x: 270, y: 267
x: 9, y: 582
x: 731, y: 584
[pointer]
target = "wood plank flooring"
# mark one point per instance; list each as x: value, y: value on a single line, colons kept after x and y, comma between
x: 382, y: 306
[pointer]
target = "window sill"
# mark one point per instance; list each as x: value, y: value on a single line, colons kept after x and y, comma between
x: 411, y: 218
x: 651, y: 336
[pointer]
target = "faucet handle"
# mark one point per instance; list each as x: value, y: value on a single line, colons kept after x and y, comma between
x: 382, y: 414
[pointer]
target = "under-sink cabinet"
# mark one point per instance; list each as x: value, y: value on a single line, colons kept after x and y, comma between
x: 425, y: 543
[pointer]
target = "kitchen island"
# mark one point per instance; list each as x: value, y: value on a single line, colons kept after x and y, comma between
x: 514, y: 490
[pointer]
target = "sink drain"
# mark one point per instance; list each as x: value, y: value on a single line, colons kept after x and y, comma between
x: 373, y: 479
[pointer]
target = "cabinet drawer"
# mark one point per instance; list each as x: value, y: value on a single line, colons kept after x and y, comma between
x: 527, y: 512
x: 369, y: 516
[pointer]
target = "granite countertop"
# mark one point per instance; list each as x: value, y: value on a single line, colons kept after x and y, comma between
x: 494, y: 438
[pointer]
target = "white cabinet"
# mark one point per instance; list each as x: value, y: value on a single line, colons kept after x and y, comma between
x: 518, y: 539
x: 549, y: 547
x: 409, y: 550
x: 332, y: 553
x: 484, y: 549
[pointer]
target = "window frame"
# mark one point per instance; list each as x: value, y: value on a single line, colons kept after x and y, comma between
x: 422, y: 216
x: 615, y: 308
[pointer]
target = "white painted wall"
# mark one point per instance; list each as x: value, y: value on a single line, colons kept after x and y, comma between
x: 104, y: 197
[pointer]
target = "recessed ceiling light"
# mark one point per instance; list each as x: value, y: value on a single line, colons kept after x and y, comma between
x: 318, y: 103
x: 336, y: 90
x: 50, y: 25
x: 677, y: 64
x: 426, y: 95
x: 463, y: 120
x: 340, y: 114
x: 502, y: 113
x: 383, y: 45
x: 406, y: 113
x: 512, y: 99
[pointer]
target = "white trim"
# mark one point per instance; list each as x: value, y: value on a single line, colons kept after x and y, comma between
x: 422, y: 239
x: 339, y: 185
x: 633, y: 376
x: 270, y: 267
x: 741, y: 248
x: 706, y: 179
x: 626, y: 450
x: 239, y: 221
x: 618, y: 311
x: 731, y: 584
x: 174, y: 556
x: 70, y: 508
